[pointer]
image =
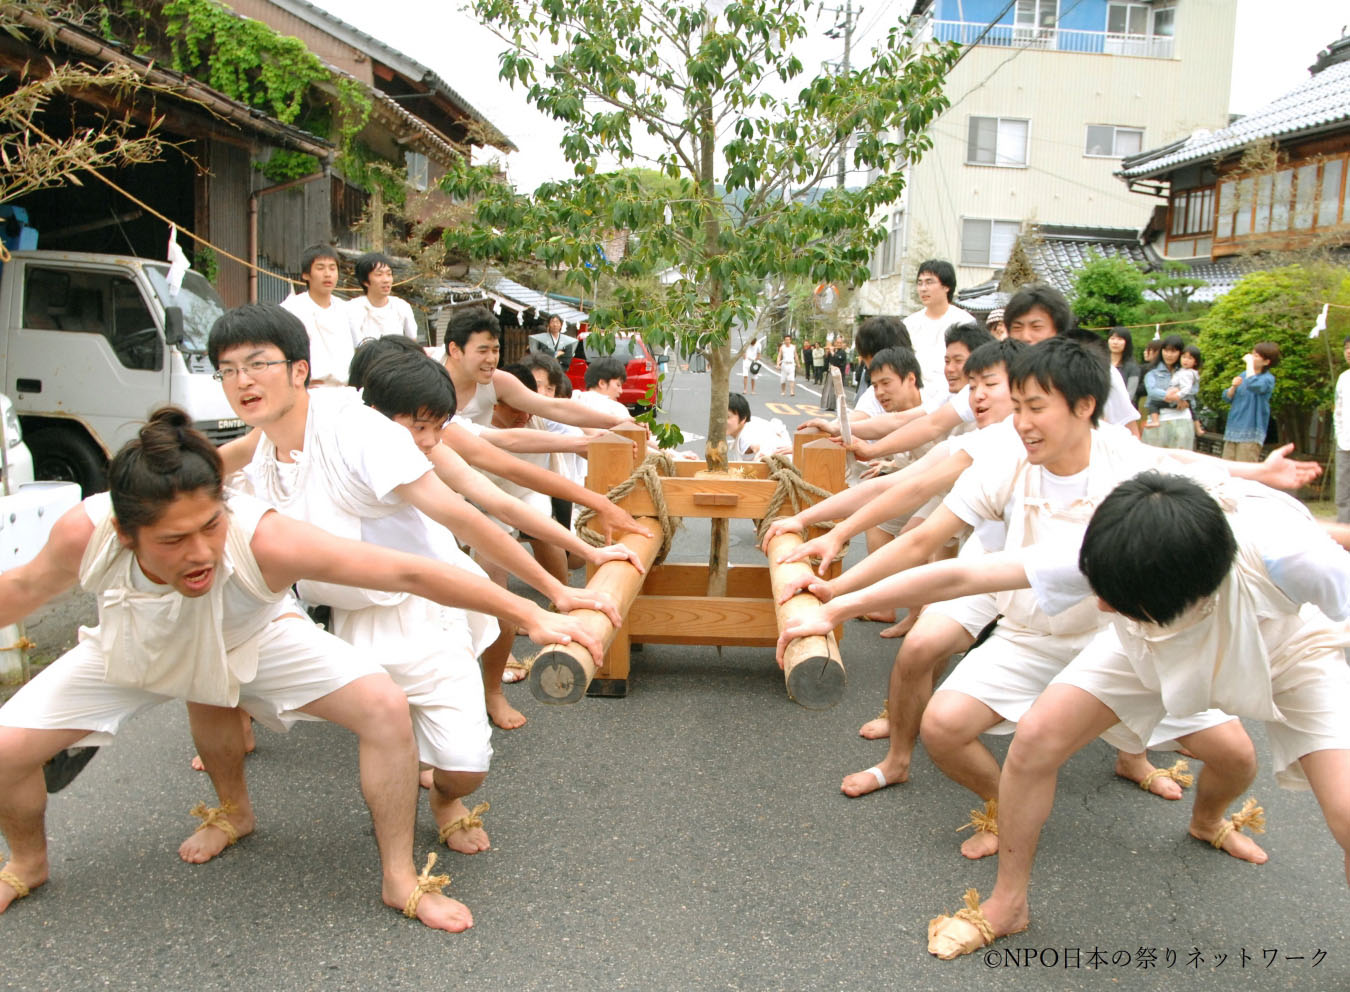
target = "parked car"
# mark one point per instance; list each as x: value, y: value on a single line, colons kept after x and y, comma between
x: 643, y: 386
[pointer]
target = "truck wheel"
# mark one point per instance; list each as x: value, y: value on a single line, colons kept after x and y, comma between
x: 64, y: 456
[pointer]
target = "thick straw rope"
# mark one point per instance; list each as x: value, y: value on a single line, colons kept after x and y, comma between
x: 792, y: 489
x: 649, y: 473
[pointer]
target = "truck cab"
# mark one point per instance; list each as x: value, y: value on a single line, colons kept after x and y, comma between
x: 91, y: 344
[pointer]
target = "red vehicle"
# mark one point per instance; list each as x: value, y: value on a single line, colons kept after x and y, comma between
x: 642, y: 388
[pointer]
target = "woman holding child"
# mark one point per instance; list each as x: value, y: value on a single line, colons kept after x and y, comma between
x: 1171, y: 394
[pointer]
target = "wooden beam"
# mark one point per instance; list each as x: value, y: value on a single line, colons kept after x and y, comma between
x: 690, y: 498
x: 812, y: 666
x: 803, y: 437
x: 743, y: 470
x: 691, y: 580
x: 730, y: 620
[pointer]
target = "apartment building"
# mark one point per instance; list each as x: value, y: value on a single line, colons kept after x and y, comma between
x: 1048, y: 97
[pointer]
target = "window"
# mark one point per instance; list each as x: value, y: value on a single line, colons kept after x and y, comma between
x: 419, y: 173
x: 886, y: 258
x: 988, y: 242
x: 1108, y: 141
x: 1279, y: 204
x: 1305, y: 196
x: 1126, y: 18
x: 1227, y: 208
x: 1034, y: 22
x: 95, y: 303
x: 1261, y: 224
x: 1328, y: 209
x: 1192, y: 213
x: 1139, y: 29
x: 1246, y: 189
x: 997, y: 141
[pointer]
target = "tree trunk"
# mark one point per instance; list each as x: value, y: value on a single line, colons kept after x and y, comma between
x: 719, y: 374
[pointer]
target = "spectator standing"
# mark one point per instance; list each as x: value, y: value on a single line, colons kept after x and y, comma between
x: 935, y: 285
x: 818, y: 359
x: 1173, y: 427
x: 331, y: 343
x: 1121, y: 345
x: 379, y: 312
x: 1249, y: 399
x: 1341, y: 423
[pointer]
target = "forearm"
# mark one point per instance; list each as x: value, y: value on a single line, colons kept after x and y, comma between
x: 932, y: 583
x: 903, y: 499
x: 528, y: 441
x: 907, y: 551
x: 874, y: 428
x: 455, y: 587
x: 500, y: 548
x: 21, y: 595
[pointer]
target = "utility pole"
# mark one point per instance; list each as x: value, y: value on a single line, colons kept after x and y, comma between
x: 843, y: 28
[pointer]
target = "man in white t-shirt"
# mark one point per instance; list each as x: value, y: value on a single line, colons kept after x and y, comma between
x: 605, y: 378
x: 325, y: 317
x: 749, y: 438
x: 936, y: 284
x: 787, y: 365
x: 750, y: 366
x: 377, y: 313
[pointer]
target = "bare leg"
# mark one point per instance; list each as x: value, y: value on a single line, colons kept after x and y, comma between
x: 951, y: 728
x: 375, y: 709
x: 503, y: 714
x: 1061, y: 722
x: 934, y: 639
x: 877, y: 539
x: 1230, y: 767
x: 1329, y: 775
x: 447, y: 805
x: 23, y: 801
x: 552, y: 558
x: 250, y: 744
x: 218, y: 734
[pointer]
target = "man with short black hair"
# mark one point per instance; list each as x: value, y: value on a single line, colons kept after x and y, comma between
x: 377, y: 312
x: 935, y: 282
x: 325, y: 316
x: 554, y: 343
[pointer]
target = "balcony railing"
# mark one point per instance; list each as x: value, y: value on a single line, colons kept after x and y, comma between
x: 1054, y: 39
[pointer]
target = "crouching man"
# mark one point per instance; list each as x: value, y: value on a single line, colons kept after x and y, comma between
x: 193, y: 602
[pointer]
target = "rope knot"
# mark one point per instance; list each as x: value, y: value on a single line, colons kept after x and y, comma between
x: 983, y: 821
x: 426, y: 882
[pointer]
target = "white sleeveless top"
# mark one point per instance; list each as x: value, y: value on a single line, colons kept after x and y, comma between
x: 154, y: 638
x: 479, y: 409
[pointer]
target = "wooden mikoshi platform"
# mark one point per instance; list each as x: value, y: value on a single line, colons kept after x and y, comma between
x: 670, y: 605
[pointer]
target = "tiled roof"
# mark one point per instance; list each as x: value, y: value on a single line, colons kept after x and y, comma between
x: 1320, y: 102
x: 1057, y: 258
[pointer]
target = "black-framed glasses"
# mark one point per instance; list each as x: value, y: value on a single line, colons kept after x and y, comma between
x: 252, y: 368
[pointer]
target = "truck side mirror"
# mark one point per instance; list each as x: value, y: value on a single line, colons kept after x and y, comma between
x: 173, y: 325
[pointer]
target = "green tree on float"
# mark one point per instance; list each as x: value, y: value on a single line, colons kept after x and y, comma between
x: 745, y: 140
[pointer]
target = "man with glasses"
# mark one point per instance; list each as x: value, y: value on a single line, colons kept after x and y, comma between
x: 936, y: 284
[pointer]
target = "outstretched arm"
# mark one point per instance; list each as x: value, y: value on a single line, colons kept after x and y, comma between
x: 874, y: 428
x: 465, y: 480
x: 1278, y: 470
x: 913, y: 587
x: 512, y: 392
x: 929, y: 427
x: 529, y: 441
x: 55, y: 569
x: 483, y: 455
x: 477, y: 530
x: 239, y: 452
x: 290, y: 550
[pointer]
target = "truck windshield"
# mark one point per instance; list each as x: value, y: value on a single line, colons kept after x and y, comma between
x: 200, y: 302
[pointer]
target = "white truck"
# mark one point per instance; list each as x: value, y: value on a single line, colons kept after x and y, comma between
x: 91, y: 344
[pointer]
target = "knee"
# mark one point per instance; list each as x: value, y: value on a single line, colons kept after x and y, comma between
x: 385, y: 709
x: 921, y: 652
x: 457, y: 784
x: 1226, y: 749
x: 942, y: 726
x: 1039, y: 746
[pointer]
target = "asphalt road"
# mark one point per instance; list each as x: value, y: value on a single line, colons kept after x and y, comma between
x: 690, y: 836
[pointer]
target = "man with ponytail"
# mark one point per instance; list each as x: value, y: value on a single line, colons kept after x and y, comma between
x: 193, y: 596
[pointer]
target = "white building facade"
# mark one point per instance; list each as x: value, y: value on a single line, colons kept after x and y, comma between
x: 1045, y: 102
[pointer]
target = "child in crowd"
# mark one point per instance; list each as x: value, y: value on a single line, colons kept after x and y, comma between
x: 1184, y: 384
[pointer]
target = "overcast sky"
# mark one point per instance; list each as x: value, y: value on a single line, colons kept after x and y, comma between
x: 1271, y: 55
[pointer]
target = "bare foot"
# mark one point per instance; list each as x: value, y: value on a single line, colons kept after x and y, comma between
x: 470, y: 838
x: 866, y: 781
x: 1238, y: 844
x: 1136, y: 767
x: 250, y: 743
x: 880, y: 616
x: 434, y: 910
x: 876, y: 730
x: 205, y: 843
x: 31, y: 876
x: 502, y: 714
x: 951, y: 936
x: 903, y: 627
x: 982, y: 845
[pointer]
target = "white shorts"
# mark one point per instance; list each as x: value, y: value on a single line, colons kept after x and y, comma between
x: 745, y: 369
x: 1011, y: 669
x: 974, y: 613
x: 431, y: 652
x: 1312, y: 694
x: 297, y: 663
x: 789, y: 372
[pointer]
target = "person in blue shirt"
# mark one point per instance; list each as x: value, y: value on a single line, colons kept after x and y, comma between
x: 1249, y: 397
